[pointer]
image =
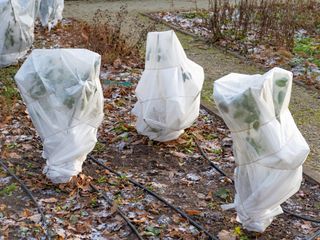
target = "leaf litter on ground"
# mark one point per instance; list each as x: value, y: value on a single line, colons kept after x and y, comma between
x: 175, y: 170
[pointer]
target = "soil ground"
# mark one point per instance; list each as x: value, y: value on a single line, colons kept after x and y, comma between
x: 174, y: 170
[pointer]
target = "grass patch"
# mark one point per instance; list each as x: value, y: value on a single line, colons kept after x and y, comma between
x: 8, y: 190
x: 309, y: 48
x: 9, y: 93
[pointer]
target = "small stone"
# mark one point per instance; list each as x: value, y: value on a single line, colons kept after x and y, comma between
x: 5, y: 180
x: 193, y: 177
x: 164, y: 220
x: 153, y: 172
x: 210, y: 173
x: 132, y: 215
x: 121, y: 146
x: 193, y: 230
x: 113, y: 227
x: 101, y: 226
x: 201, y: 196
x: 149, y: 198
x: 214, y: 216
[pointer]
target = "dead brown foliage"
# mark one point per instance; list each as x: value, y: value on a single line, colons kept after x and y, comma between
x: 115, y: 36
x: 272, y: 22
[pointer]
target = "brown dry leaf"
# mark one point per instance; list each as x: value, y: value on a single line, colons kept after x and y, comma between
x: 226, y: 235
x: 5, y: 232
x: 141, y: 220
x: 233, y: 220
x: 193, y: 212
x: 141, y: 141
x: 35, y: 218
x: 27, y: 146
x: 108, y: 106
x: 49, y: 200
x: 83, y: 228
x: 14, y: 155
x: 117, y: 63
x: 285, y: 53
x: 26, y: 213
x: 2, y: 207
x: 114, y: 209
x: 178, y: 154
x: 85, y: 36
x: 175, y: 234
x: 181, y: 141
x: 198, y: 136
x: 7, y: 119
x: 178, y: 219
x: 61, y: 233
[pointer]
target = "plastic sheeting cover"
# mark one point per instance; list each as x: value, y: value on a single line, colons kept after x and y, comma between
x: 16, y: 29
x: 50, y: 12
x: 62, y: 91
x: 169, y: 90
x: 269, y: 149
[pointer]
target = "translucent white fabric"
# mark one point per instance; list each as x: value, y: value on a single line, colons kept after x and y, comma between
x: 169, y: 90
x: 16, y: 29
x: 269, y: 149
x: 50, y: 12
x: 62, y: 91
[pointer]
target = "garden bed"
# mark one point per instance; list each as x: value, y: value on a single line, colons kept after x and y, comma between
x: 175, y: 170
x: 263, y: 34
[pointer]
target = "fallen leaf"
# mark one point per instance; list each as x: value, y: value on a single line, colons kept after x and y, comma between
x: 226, y: 235
x: 49, y: 200
x: 142, y: 220
x: 178, y: 154
x: 193, y: 212
x: 83, y: 228
x: 26, y: 146
x: 14, y: 155
x: 35, y: 218
x: 26, y: 213
x: 61, y: 233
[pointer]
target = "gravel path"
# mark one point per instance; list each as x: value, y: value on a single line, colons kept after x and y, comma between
x: 305, y: 104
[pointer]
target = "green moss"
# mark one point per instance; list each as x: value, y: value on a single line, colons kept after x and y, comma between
x: 9, y: 93
x: 8, y: 190
x: 309, y: 48
x: 99, y: 148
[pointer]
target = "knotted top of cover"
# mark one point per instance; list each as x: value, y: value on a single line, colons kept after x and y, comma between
x: 164, y: 51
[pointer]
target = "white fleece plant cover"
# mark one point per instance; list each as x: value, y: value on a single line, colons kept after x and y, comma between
x: 62, y: 91
x: 16, y: 29
x: 50, y: 12
x: 269, y: 149
x: 169, y: 90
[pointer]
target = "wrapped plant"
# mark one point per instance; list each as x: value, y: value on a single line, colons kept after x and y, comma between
x: 268, y: 147
x: 63, y: 94
x: 50, y: 12
x: 169, y: 90
x: 16, y: 29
